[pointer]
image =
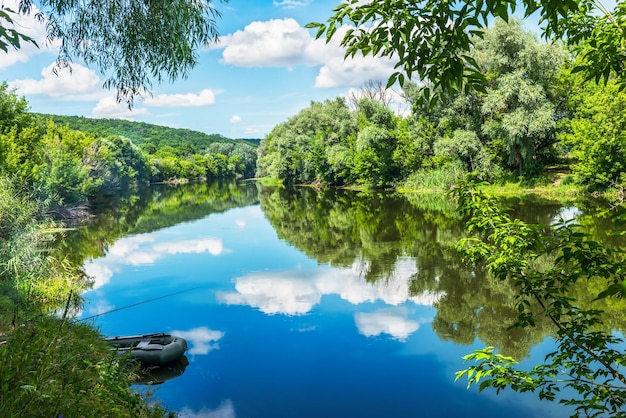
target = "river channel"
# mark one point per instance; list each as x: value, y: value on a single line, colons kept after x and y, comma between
x: 305, y: 303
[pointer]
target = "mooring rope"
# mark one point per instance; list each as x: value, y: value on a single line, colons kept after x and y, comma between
x: 134, y: 304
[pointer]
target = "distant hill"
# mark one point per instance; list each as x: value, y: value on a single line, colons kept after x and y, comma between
x: 142, y: 133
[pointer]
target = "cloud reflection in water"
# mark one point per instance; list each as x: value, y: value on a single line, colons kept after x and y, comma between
x: 201, y: 339
x: 393, y: 322
x: 225, y: 410
x: 296, y: 292
x: 141, y: 250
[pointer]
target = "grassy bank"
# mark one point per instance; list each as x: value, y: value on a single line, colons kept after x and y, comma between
x: 50, y: 367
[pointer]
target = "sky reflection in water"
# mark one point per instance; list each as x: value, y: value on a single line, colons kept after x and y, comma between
x: 273, y: 334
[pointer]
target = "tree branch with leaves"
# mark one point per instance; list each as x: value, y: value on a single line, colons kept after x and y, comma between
x: 587, y: 360
x: 134, y: 43
x: 432, y: 39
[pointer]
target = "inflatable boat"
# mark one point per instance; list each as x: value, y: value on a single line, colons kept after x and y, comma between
x: 150, y: 349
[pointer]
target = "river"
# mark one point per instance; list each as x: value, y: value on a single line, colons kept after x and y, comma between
x: 308, y: 303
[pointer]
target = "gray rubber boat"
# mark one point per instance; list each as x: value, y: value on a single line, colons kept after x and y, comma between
x: 150, y: 349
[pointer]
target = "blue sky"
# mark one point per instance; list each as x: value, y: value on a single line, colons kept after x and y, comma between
x: 266, y: 68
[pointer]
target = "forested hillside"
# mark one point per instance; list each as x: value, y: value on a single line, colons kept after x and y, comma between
x: 144, y: 133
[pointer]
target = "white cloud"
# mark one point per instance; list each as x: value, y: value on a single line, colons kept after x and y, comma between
x: 28, y: 26
x: 75, y: 83
x: 297, y: 292
x: 393, y: 322
x: 235, y: 119
x: 205, y: 98
x: 110, y: 108
x: 273, y: 43
x: 202, y: 339
x: 284, y: 43
x: 338, y: 72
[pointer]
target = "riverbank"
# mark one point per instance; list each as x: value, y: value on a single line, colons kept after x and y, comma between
x: 551, y: 186
x: 50, y: 366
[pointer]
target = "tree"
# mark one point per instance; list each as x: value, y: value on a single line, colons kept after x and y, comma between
x: 596, y: 137
x: 517, y: 106
x: 465, y: 146
x: 133, y: 42
x: 432, y: 39
x: 371, y: 89
x: 314, y: 145
x: 114, y: 164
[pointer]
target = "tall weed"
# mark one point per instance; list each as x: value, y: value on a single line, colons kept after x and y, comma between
x: 438, y: 179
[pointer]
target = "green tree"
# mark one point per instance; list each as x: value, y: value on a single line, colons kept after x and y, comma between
x: 20, y: 137
x: 247, y: 155
x: 415, y: 136
x: 114, y: 164
x: 517, y: 106
x: 313, y: 145
x: 465, y: 146
x: 597, y: 137
x: 62, y: 173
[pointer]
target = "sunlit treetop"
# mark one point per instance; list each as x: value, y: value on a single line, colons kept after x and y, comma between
x: 431, y: 39
x: 134, y: 43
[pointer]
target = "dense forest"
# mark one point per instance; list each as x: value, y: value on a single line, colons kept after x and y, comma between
x: 535, y: 115
x: 69, y: 160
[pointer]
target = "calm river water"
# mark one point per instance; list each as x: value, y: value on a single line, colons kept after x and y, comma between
x: 309, y: 304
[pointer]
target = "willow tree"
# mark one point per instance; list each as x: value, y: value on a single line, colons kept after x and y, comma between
x: 518, y: 108
x: 134, y: 43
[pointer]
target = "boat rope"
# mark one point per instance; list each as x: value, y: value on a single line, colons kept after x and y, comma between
x: 135, y: 304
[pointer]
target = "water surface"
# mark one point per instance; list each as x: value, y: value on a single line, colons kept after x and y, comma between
x: 313, y: 304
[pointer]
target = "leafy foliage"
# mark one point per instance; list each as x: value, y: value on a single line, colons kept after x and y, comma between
x: 433, y: 39
x: 314, y: 145
x: 596, y: 137
x: 9, y: 36
x: 587, y: 360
